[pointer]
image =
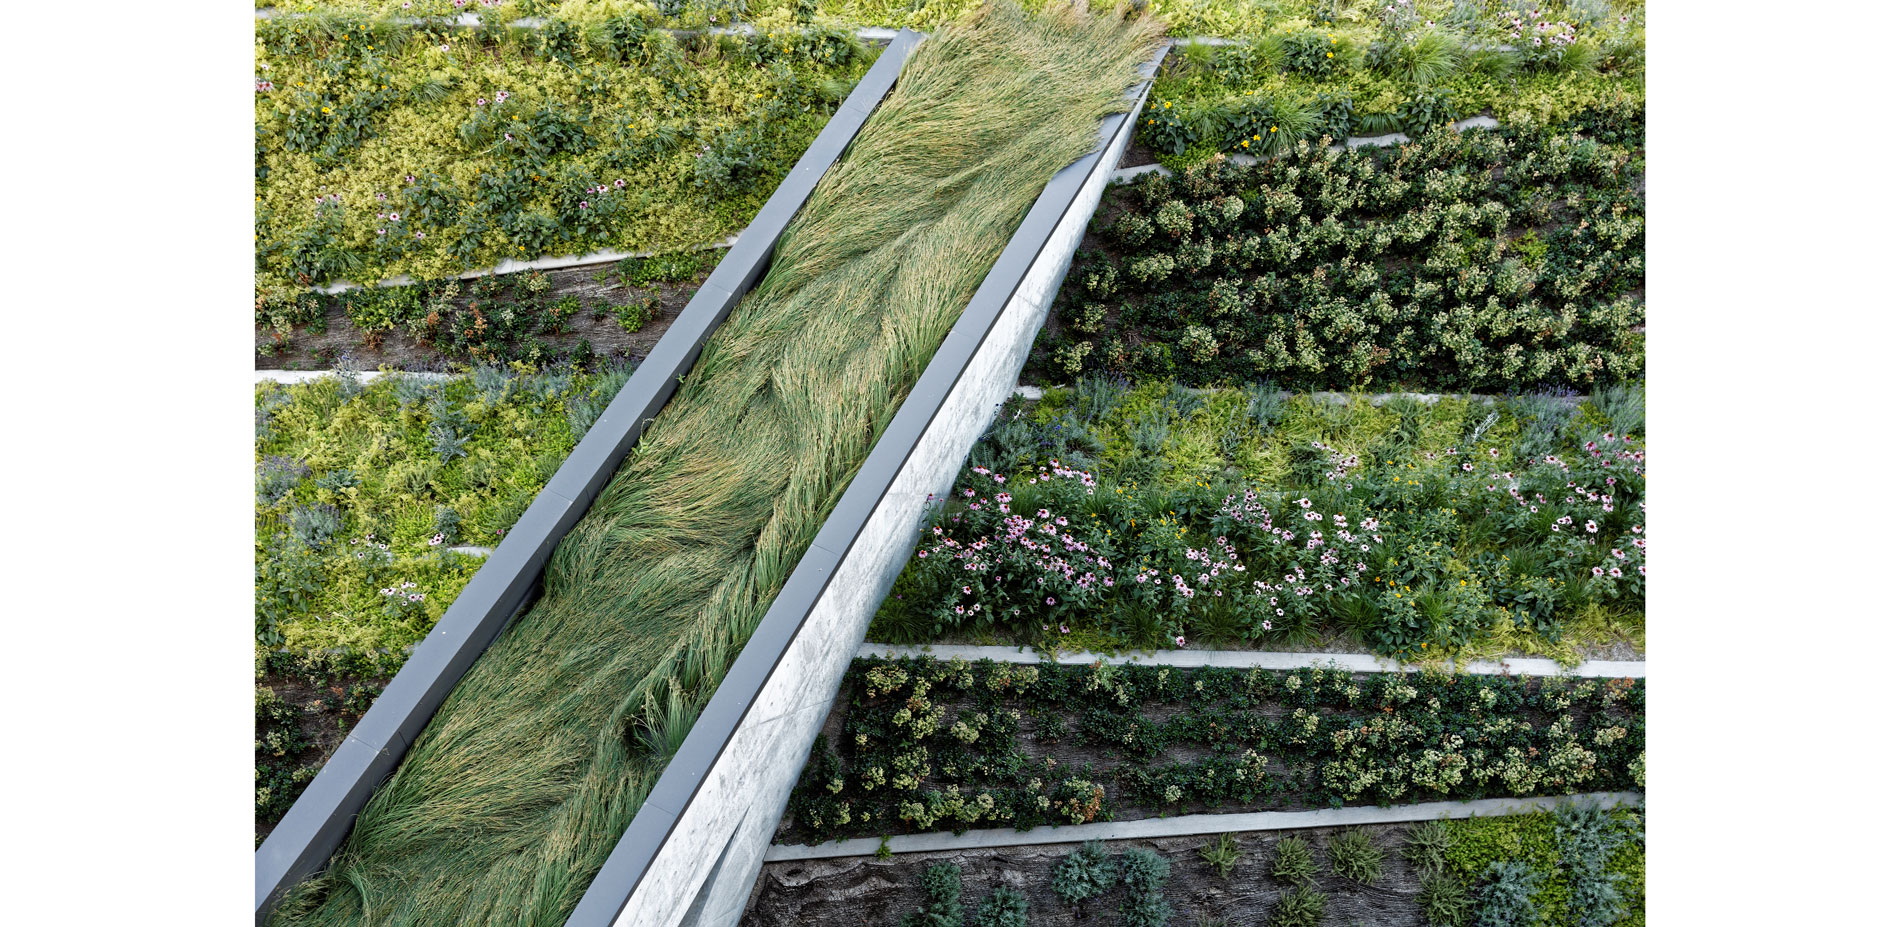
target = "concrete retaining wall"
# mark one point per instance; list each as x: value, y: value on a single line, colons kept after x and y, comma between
x: 692, y: 853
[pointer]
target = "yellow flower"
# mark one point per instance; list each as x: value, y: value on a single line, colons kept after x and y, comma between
x: 1245, y: 143
x: 1165, y: 104
x: 1272, y: 129
x: 1256, y: 138
x: 1329, y: 54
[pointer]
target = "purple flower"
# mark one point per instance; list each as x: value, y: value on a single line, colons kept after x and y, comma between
x: 1051, y: 601
x: 1180, y: 641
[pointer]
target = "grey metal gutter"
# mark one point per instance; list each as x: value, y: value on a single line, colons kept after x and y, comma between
x: 303, y: 841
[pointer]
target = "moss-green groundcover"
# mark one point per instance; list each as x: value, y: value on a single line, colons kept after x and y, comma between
x: 386, y: 149
x: 363, y: 492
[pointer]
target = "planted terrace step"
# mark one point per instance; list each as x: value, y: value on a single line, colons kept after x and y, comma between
x: 1247, y: 659
x: 1034, y: 393
x: 1188, y: 825
x: 1376, y: 141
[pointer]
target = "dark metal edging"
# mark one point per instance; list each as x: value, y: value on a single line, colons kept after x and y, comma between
x: 613, y: 886
x: 316, y: 824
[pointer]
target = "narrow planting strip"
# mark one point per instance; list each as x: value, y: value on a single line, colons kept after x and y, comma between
x: 1376, y: 141
x: 1187, y: 825
x: 1247, y: 659
x: 511, y: 266
x: 1034, y: 393
x: 692, y: 854
x: 302, y: 843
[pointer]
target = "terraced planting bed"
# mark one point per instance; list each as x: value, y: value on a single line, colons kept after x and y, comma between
x: 1428, y: 873
x: 1367, y: 415
x: 375, y: 505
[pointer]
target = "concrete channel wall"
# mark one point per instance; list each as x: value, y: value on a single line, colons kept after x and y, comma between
x: 303, y: 841
x: 691, y: 855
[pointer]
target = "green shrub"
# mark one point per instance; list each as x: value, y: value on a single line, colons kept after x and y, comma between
x: 1083, y: 874
x: 943, y: 893
x: 1004, y: 907
x: 1356, y: 857
x: 1143, y: 874
x: 635, y: 314
x: 1589, y: 836
x: 1504, y: 896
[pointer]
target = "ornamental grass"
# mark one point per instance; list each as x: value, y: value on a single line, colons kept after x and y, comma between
x: 512, y: 798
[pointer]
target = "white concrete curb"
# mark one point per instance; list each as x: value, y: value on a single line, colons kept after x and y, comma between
x: 511, y: 266
x: 305, y: 376
x: 474, y: 21
x: 1187, y: 826
x: 1248, y: 659
x: 1378, y: 141
x: 1035, y: 393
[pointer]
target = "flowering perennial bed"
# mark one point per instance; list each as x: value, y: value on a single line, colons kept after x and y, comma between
x: 1105, y: 518
x: 525, y: 779
x: 1506, y: 259
x: 949, y: 745
x: 386, y: 149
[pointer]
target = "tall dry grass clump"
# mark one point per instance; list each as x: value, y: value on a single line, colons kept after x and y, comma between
x: 514, y: 795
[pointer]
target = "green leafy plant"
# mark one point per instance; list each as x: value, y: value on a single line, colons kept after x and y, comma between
x: 1356, y: 857
x: 1425, y: 846
x: 1443, y: 900
x: 1143, y: 874
x: 1293, y: 861
x: 943, y: 898
x: 633, y: 315
x: 1004, y: 907
x: 1299, y: 906
x: 1503, y: 897
x: 1222, y: 854
x: 1083, y: 874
